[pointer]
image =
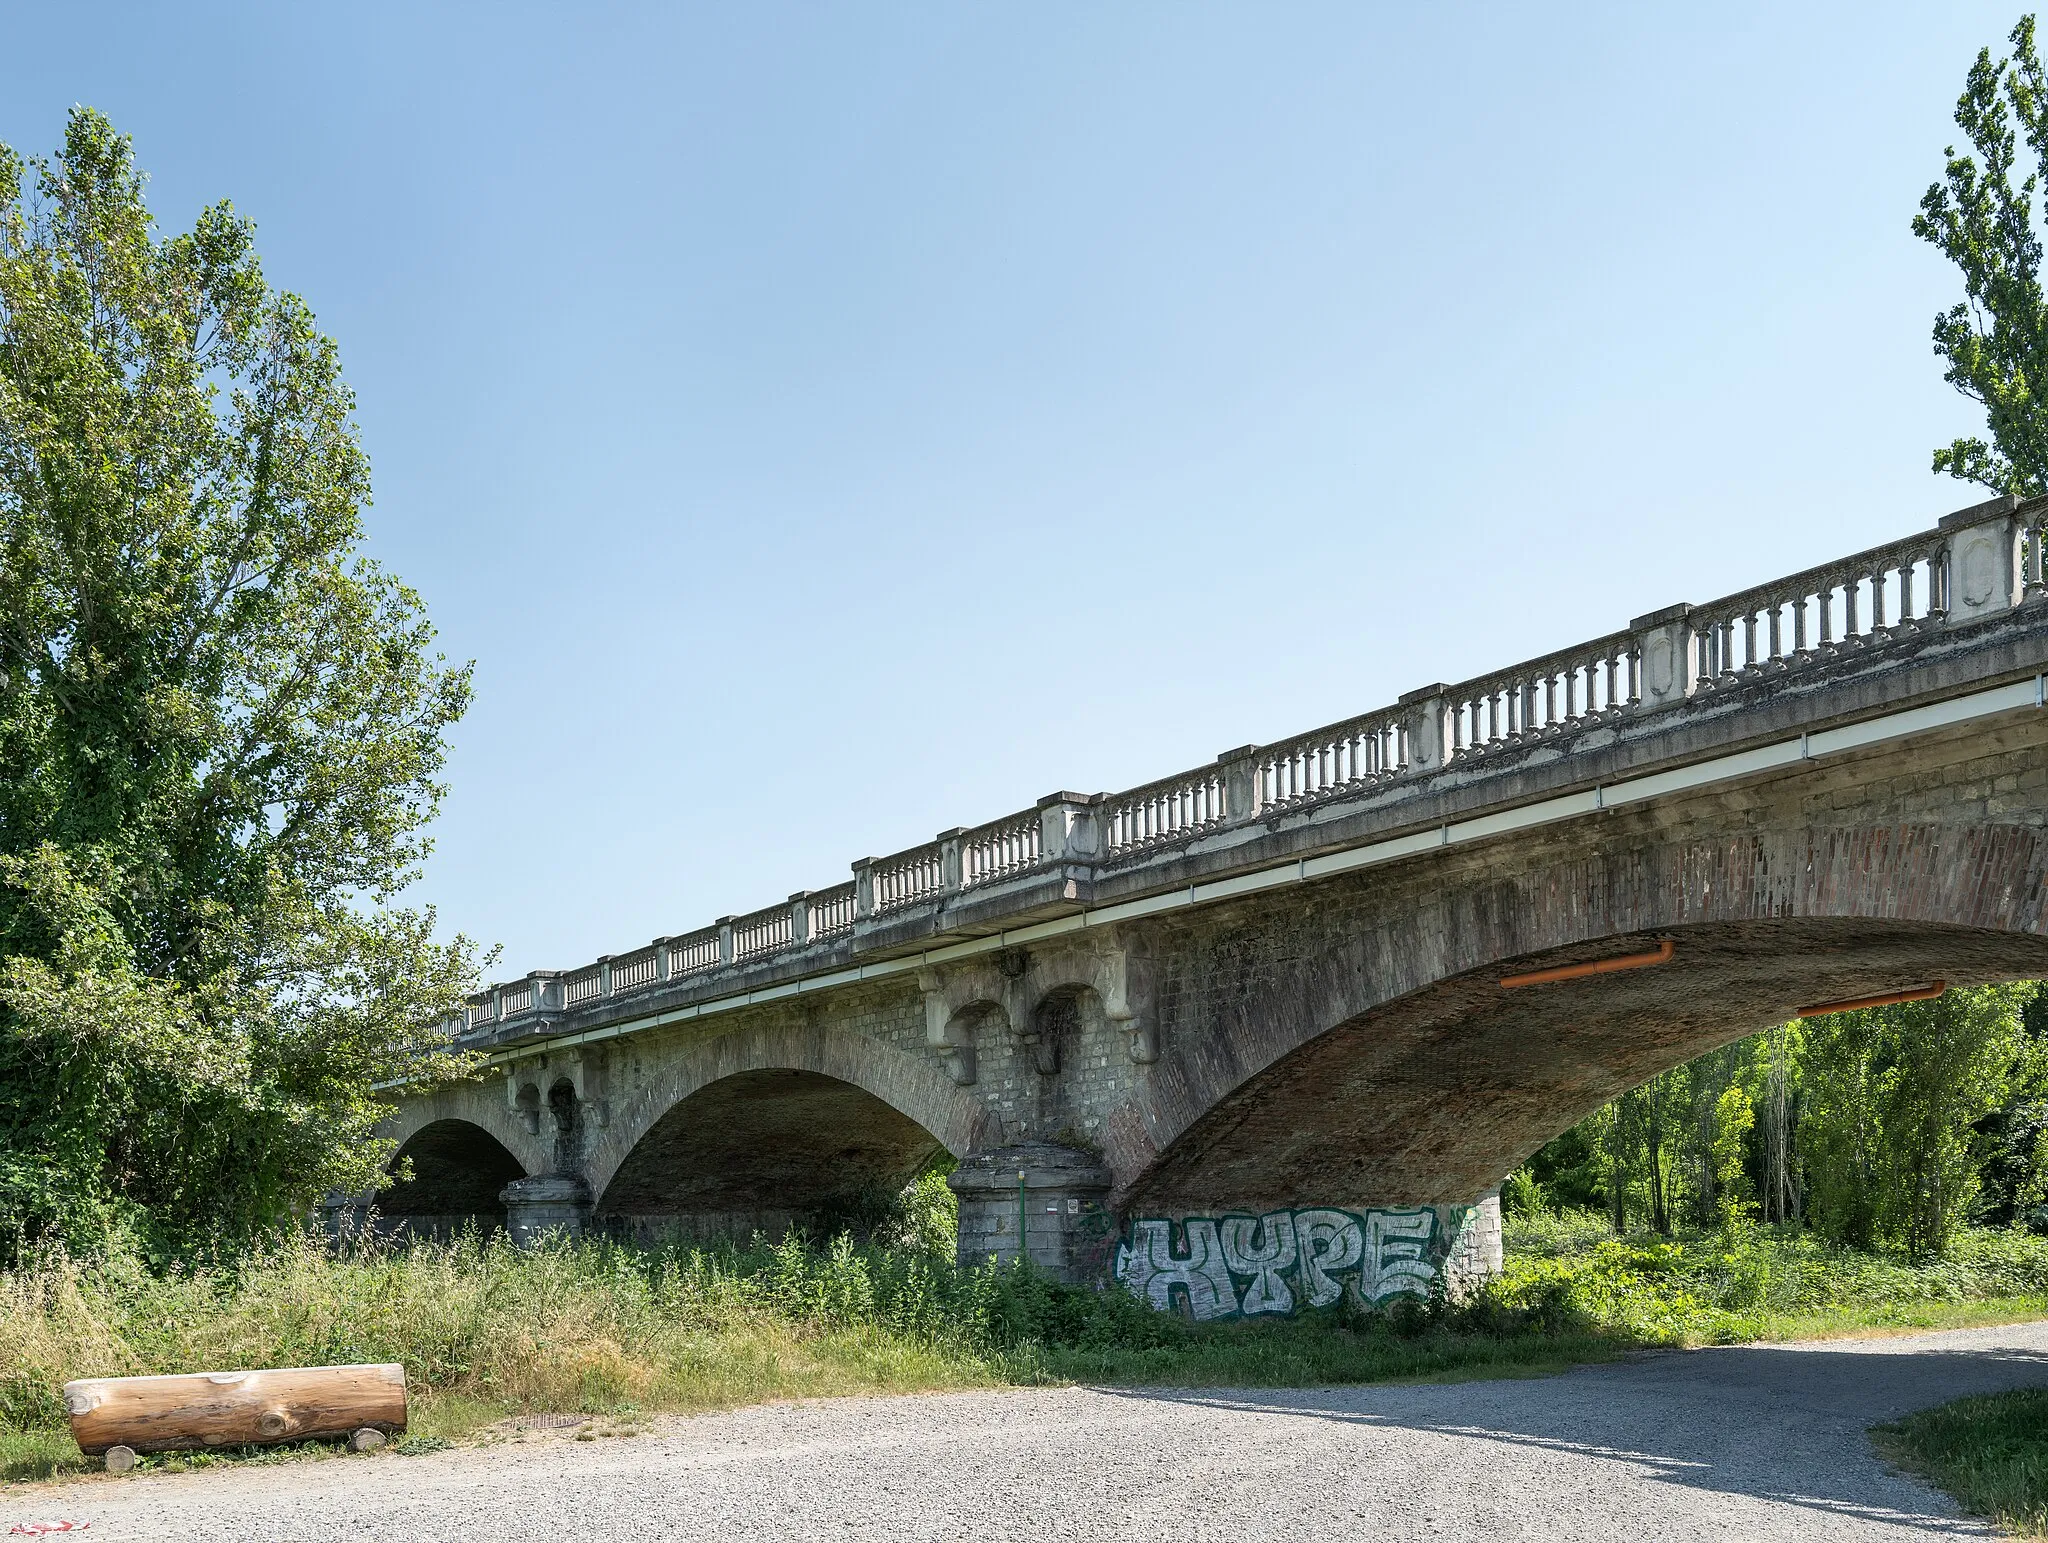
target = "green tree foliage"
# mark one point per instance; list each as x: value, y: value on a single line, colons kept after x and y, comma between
x: 1734, y: 1119
x: 1896, y: 1097
x: 1891, y: 1128
x: 1995, y: 341
x: 220, y: 734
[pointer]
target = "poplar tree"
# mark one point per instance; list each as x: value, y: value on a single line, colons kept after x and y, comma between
x: 1981, y: 215
x: 221, y: 734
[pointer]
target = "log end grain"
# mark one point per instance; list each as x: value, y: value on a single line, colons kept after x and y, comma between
x: 119, y: 1459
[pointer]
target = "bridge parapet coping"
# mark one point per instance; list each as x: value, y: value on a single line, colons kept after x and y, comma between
x: 1978, y: 564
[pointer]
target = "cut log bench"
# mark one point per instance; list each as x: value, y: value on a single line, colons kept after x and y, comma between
x: 118, y: 1417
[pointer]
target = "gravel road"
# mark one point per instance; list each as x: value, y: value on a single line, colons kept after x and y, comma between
x: 1761, y: 1441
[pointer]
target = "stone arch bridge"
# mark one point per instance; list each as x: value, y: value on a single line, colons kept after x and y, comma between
x: 1241, y: 1034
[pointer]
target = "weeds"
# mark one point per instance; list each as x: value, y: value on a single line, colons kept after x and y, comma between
x: 1990, y: 1453
x: 487, y: 1332
x: 1761, y: 1282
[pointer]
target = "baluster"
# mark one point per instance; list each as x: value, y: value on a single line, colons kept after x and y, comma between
x: 1827, y: 617
x: 1906, y: 593
x: 1777, y: 632
x: 1749, y: 640
x: 1877, y: 602
x: 1799, y: 626
x: 1851, y: 592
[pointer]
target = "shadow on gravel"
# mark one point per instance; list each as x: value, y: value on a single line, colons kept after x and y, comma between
x: 1779, y: 1423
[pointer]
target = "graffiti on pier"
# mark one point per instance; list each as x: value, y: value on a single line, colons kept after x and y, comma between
x: 1283, y: 1261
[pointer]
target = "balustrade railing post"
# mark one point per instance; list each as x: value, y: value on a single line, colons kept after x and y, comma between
x: 1983, y: 558
x: 863, y: 889
x: 604, y: 975
x: 800, y: 917
x: 1068, y: 830
x: 724, y: 925
x: 1426, y: 726
x: 546, y: 988
x: 1243, y: 797
x: 662, y: 962
x: 949, y: 859
x: 1671, y: 664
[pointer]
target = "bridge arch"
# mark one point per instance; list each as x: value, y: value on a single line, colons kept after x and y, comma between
x: 1383, y: 1062
x: 762, y: 1123
x: 455, y: 1171
x: 481, y: 1105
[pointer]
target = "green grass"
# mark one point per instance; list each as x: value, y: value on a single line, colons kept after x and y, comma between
x: 1768, y: 1283
x: 1990, y: 1453
x: 489, y: 1334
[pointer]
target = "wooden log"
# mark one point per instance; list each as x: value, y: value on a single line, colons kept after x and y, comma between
x: 232, y: 1409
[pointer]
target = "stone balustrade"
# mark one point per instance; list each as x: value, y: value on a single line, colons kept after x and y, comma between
x: 1978, y: 563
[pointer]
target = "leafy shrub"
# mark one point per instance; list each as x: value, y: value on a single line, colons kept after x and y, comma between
x: 1521, y: 1194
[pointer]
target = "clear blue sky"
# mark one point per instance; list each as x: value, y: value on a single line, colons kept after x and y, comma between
x: 825, y: 425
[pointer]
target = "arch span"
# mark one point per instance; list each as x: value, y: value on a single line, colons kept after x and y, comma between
x: 767, y: 1122
x: 1385, y: 1062
x: 480, y: 1104
x: 760, y: 1150
x: 456, y: 1172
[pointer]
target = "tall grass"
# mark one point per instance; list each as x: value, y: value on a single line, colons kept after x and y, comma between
x: 1989, y: 1452
x: 1762, y: 1283
x: 485, y: 1330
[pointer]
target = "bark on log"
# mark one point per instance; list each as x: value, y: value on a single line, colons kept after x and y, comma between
x: 232, y: 1409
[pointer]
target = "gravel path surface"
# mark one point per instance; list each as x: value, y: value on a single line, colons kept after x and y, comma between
x: 1762, y: 1441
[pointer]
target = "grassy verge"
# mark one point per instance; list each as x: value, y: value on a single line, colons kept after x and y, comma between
x: 1768, y: 1283
x: 1990, y: 1453
x: 488, y: 1333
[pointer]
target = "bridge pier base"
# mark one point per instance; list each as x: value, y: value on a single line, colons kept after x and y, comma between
x: 345, y: 1217
x: 550, y: 1203
x: 1048, y: 1196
